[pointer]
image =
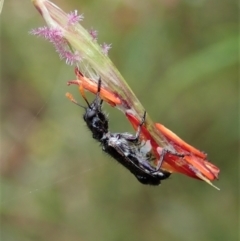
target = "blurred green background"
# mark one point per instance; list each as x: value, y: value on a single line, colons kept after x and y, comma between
x: 181, y: 59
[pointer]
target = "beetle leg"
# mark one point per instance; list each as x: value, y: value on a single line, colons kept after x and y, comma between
x: 162, y: 154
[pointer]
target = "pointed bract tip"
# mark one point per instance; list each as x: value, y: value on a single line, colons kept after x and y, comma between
x: 206, y: 180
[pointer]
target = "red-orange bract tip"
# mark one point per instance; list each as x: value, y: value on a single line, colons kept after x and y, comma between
x: 87, y: 84
x: 193, y: 164
x: 193, y: 156
x: 177, y: 140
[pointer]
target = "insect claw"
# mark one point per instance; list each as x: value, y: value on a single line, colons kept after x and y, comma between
x: 162, y: 156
